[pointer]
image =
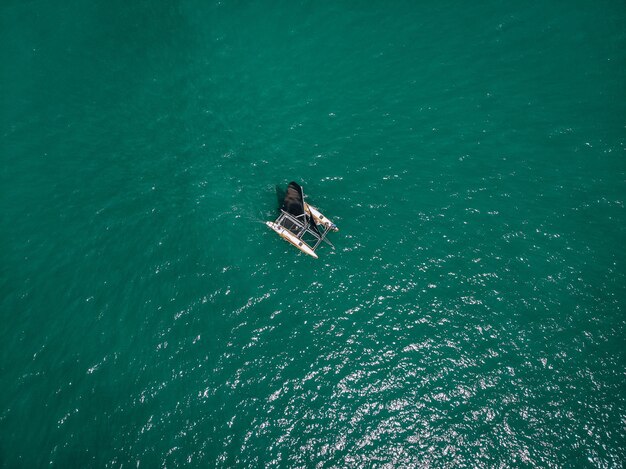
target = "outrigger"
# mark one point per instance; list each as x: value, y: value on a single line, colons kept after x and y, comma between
x: 299, y: 223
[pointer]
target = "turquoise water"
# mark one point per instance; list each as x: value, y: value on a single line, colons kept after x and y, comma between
x: 472, y: 313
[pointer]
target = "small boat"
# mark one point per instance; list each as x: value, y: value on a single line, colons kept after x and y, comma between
x: 301, y: 224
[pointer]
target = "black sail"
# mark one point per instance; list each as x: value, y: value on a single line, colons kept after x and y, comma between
x: 294, y: 200
x: 294, y: 205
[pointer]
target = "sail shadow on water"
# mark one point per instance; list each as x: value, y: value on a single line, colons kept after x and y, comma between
x: 280, y: 195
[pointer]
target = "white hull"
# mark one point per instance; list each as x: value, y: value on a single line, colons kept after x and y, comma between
x: 291, y: 238
x: 319, y: 218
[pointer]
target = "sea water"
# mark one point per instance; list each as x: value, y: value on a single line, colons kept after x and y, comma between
x: 472, y: 155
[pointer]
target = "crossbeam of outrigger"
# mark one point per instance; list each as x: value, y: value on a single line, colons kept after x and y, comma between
x: 303, y: 228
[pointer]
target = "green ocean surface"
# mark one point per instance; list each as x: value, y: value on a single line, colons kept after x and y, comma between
x: 473, y: 313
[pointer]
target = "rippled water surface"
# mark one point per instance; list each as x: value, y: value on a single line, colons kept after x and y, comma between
x: 472, y: 313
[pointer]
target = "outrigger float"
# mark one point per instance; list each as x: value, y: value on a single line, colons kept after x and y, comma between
x: 301, y: 224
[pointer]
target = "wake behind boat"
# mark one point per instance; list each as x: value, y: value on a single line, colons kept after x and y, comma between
x: 301, y: 224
